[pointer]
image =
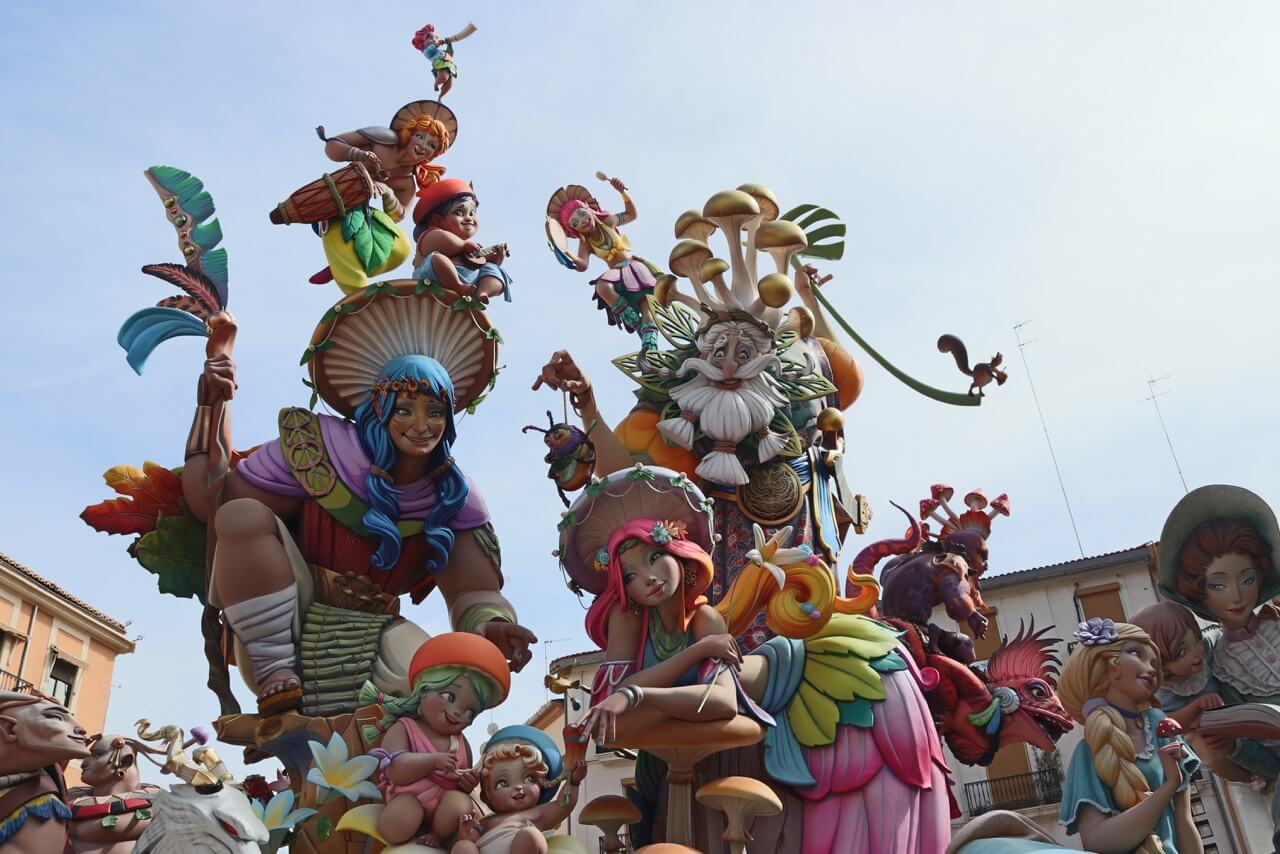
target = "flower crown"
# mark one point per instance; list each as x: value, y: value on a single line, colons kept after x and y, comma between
x: 384, y: 388
x: 662, y: 533
x: 1097, y: 631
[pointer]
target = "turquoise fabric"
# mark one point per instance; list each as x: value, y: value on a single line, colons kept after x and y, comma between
x: 783, y: 756
x: 1011, y: 846
x: 1084, y: 787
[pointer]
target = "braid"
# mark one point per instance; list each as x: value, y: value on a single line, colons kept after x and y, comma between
x: 1113, y: 759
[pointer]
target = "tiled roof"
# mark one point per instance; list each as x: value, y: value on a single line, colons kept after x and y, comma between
x: 576, y: 659
x: 58, y: 591
x: 1066, y: 567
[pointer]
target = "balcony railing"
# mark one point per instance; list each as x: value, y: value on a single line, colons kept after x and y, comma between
x: 1039, y: 788
x: 9, y: 682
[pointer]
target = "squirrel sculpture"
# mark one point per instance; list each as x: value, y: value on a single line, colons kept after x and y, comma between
x: 982, y: 373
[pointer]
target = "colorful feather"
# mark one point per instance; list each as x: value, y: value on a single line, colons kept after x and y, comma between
x: 193, y: 282
x: 146, y: 328
x: 191, y: 305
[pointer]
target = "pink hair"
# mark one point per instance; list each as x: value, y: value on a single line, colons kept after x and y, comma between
x: 614, y: 597
x: 420, y: 37
x: 567, y: 209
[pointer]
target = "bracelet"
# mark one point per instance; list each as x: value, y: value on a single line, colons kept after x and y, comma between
x: 353, y: 154
x: 198, y: 438
x: 634, y: 695
x: 595, y: 422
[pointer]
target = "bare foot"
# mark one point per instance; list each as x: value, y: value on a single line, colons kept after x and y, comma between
x: 277, y: 682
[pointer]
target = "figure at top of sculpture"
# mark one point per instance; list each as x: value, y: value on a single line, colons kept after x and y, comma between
x: 438, y: 50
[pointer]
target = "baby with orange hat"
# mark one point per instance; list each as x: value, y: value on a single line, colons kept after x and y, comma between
x: 448, y: 255
x: 425, y: 767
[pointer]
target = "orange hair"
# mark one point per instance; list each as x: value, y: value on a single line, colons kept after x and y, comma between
x: 1210, y: 541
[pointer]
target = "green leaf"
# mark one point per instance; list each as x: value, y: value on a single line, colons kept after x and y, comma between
x: 677, y: 324
x: 660, y: 385
x: 565, y: 521
x: 857, y: 713
x: 174, y: 553
x: 810, y: 387
x: 384, y: 233
x: 324, y: 828
x: 353, y: 223
x: 640, y: 474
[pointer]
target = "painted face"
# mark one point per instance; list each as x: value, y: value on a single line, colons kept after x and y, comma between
x: 1135, y: 676
x: 1231, y: 590
x: 649, y: 574
x: 461, y: 219
x: 511, y: 786
x: 96, y: 768
x: 582, y: 221
x: 44, y: 728
x: 1187, y: 657
x: 417, y: 423
x: 451, y: 709
x: 729, y: 353
x: 423, y: 145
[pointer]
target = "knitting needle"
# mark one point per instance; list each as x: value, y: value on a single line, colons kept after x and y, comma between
x: 720, y: 668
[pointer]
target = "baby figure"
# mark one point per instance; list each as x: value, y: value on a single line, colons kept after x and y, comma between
x: 517, y: 780
x: 448, y: 255
x: 1189, y: 686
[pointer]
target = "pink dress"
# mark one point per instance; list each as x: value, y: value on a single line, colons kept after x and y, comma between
x: 430, y: 789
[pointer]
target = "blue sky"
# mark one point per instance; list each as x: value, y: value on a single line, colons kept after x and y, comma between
x: 1106, y: 171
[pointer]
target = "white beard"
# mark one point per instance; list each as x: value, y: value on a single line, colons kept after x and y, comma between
x: 726, y: 415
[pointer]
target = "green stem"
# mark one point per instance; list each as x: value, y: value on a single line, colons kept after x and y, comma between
x: 951, y: 397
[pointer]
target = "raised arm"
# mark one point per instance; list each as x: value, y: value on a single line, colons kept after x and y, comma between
x: 562, y: 374
x: 629, y: 210
x: 804, y: 288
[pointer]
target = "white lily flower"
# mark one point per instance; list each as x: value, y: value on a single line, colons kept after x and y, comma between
x: 279, y: 813
x: 333, y: 770
x: 769, y: 549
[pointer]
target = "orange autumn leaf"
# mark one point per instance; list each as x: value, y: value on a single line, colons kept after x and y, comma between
x: 148, y: 493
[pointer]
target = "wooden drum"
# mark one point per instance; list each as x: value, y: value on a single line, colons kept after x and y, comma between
x: 327, y: 197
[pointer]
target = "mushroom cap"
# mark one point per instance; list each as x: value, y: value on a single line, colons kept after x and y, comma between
x: 780, y: 234
x: 1000, y: 504
x: 667, y: 848
x: 928, y: 506
x: 830, y: 420
x: 757, y: 797
x: 941, y: 492
x: 664, y: 290
x: 694, y: 225
x: 775, y: 290
x: 609, y: 808
x: 976, y: 500
x: 687, y: 256
x: 765, y: 198
x: 731, y: 204
x: 803, y: 320
x: 711, y: 268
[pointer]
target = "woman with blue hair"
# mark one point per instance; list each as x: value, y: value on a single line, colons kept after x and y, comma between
x: 341, y: 515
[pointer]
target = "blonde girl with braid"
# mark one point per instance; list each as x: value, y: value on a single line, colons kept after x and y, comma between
x: 1126, y: 788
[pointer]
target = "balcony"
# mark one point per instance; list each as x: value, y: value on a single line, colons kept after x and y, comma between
x: 1039, y: 788
x: 9, y: 682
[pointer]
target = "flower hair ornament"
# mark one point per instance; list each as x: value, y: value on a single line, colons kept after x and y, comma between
x: 665, y: 531
x: 388, y: 389
x: 1097, y: 631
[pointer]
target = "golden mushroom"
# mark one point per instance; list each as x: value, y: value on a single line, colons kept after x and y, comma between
x: 830, y: 420
x: 740, y: 799
x: 685, y: 259
x: 799, y: 320
x: 774, y: 290
x: 765, y: 198
x: 609, y: 813
x: 731, y: 211
x: 713, y: 270
x: 781, y: 239
x: 694, y: 226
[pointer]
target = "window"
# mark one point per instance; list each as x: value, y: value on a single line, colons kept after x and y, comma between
x: 983, y: 647
x: 61, y: 681
x: 1102, y: 600
x: 1197, y: 807
x: 1206, y: 832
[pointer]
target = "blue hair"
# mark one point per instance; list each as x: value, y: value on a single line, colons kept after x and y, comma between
x: 375, y: 440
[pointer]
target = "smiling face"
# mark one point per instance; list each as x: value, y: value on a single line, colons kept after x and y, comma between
x: 1134, y: 674
x: 582, y: 221
x: 1187, y: 656
x: 417, y: 423
x: 461, y: 218
x: 43, y: 732
x: 1231, y: 589
x: 451, y: 709
x: 423, y: 145
x: 649, y: 574
x: 510, y: 785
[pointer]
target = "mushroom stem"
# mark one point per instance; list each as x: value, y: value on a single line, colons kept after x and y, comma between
x: 700, y: 289
x: 752, y: 258
x: 737, y: 260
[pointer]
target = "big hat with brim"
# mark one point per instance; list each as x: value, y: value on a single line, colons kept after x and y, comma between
x: 539, y: 741
x: 606, y: 505
x: 406, y: 115
x: 463, y: 649
x: 364, y: 332
x: 1209, y: 504
x: 434, y: 195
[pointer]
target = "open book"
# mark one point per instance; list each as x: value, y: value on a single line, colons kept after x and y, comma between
x: 1247, y: 720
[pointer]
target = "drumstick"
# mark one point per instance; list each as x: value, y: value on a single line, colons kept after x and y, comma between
x: 600, y: 175
x: 720, y: 668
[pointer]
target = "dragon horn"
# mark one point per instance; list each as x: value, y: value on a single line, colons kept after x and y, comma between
x: 865, y: 562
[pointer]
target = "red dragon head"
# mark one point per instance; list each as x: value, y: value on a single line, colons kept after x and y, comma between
x: 1019, y: 704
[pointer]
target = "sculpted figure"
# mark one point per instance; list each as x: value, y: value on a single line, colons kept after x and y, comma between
x: 36, y: 735
x: 114, y: 807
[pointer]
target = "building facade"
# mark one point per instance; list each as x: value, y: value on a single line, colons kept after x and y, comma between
x: 56, y: 644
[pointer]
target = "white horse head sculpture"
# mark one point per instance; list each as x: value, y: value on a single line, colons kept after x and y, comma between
x: 216, y: 819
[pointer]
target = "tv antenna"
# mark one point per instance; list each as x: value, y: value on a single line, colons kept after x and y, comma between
x: 1026, y: 368
x: 1151, y: 387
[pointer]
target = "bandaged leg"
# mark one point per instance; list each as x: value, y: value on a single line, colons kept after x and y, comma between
x: 264, y: 626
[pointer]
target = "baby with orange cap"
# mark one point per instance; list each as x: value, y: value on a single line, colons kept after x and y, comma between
x: 425, y: 766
